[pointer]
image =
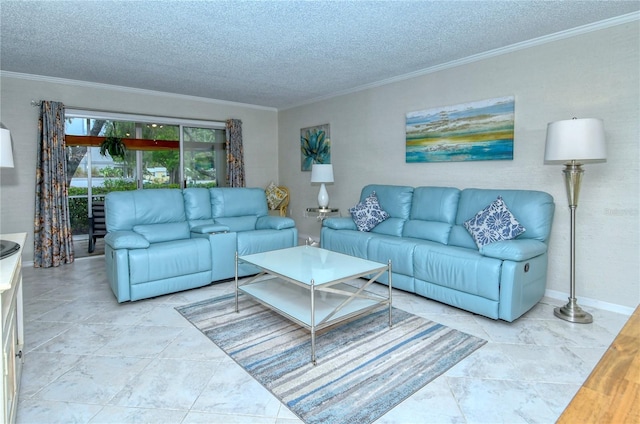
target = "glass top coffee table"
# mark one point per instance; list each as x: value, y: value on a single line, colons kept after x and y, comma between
x: 308, y: 286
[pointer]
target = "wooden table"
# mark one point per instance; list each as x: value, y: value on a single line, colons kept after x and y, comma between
x: 611, y: 394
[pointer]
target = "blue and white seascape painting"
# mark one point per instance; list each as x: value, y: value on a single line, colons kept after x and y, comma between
x: 481, y: 130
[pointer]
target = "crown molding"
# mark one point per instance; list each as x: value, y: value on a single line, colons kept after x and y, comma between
x: 607, y: 23
x: 86, y: 84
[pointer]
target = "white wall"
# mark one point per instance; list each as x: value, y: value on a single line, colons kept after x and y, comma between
x: 17, y: 185
x: 588, y: 75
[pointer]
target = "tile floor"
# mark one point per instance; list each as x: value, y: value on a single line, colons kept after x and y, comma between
x: 91, y: 360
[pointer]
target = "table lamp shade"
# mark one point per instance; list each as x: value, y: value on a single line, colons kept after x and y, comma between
x: 6, y: 153
x: 322, y: 173
x: 580, y: 140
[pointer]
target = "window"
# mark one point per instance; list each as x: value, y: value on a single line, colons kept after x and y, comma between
x: 160, y: 153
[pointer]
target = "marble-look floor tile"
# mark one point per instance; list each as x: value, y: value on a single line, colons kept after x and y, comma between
x: 140, y: 341
x: 434, y: 403
x: 89, y: 359
x: 546, y: 364
x: 114, y: 313
x: 500, y: 401
x: 228, y: 392
x: 37, y: 333
x: 123, y: 415
x: 81, y: 339
x: 32, y: 411
x: 197, y: 417
x: 191, y: 344
x: 73, y: 311
x: 166, y: 384
x: 41, y: 368
x: 94, y: 380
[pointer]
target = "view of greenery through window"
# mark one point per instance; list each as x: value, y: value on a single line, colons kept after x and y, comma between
x: 151, y: 160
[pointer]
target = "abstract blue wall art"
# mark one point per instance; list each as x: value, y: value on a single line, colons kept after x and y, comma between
x: 481, y: 130
x: 315, y: 146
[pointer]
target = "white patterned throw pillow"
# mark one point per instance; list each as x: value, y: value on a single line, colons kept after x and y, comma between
x: 368, y: 213
x: 493, y: 223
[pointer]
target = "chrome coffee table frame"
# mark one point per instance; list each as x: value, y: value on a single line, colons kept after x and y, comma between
x: 307, y: 286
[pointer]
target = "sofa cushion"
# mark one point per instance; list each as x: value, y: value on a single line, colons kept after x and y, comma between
x: 157, y: 233
x: 457, y: 268
x: 438, y: 204
x: 126, y: 240
x: 534, y: 210
x: 250, y: 242
x: 239, y: 223
x: 395, y: 200
x: 237, y: 201
x: 275, y: 195
x: 349, y: 242
x: 125, y: 209
x: 493, y: 223
x: 197, y: 204
x: 169, y: 259
x: 368, y: 213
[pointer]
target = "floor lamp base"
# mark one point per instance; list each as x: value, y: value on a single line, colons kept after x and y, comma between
x: 573, y: 313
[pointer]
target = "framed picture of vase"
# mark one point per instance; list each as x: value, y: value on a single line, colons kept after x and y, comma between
x: 481, y: 130
x: 315, y: 146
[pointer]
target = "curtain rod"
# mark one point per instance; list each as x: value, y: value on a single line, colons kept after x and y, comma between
x: 145, y: 118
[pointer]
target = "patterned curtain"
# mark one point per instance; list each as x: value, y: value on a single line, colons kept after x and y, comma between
x: 53, y: 242
x: 235, y: 154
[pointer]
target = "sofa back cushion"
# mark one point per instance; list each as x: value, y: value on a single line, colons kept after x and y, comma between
x: 533, y: 209
x: 126, y: 209
x: 396, y: 201
x: 238, y: 207
x: 197, y: 206
x: 433, y: 213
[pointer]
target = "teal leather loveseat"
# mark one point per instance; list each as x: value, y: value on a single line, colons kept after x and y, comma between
x: 168, y: 240
x: 435, y: 256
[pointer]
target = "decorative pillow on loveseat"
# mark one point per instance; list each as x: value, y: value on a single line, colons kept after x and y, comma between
x: 275, y: 195
x: 368, y: 213
x: 493, y: 223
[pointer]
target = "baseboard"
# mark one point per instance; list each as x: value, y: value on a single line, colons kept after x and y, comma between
x: 594, y: 303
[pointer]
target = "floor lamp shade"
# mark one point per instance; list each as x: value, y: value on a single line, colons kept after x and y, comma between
x: 574, y: 142
x: 6, y: 152
x: 322, y: 173
x: 580, y: 140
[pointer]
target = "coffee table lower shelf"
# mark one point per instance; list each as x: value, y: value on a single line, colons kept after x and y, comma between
x: 313, y: 307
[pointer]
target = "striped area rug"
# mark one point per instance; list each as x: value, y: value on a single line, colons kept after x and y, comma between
x: 364, y: 368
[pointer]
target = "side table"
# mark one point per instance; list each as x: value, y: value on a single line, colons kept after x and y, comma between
x: 322, y: 213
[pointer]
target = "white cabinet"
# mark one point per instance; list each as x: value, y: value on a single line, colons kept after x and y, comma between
x: 12, y: 327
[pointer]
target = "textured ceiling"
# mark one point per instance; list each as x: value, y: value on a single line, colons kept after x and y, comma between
x: 269, y: 53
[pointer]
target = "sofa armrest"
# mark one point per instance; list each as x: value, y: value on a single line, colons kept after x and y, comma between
x: 340, y: 223
x: 126, y: 240
x: 274, y: 223
x: 210, y: 228
x: 514, y: 250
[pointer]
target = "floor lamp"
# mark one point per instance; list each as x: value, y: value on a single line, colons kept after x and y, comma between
x: 574, y: 142
x: 7, y: 247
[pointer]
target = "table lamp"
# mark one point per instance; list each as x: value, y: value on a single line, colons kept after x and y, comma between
x: 574, y: 142
x: 7, y: 248
x: 322, y: 173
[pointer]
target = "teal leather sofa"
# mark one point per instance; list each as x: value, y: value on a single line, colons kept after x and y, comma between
x: 433, y: 254
x: 168, y: 240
